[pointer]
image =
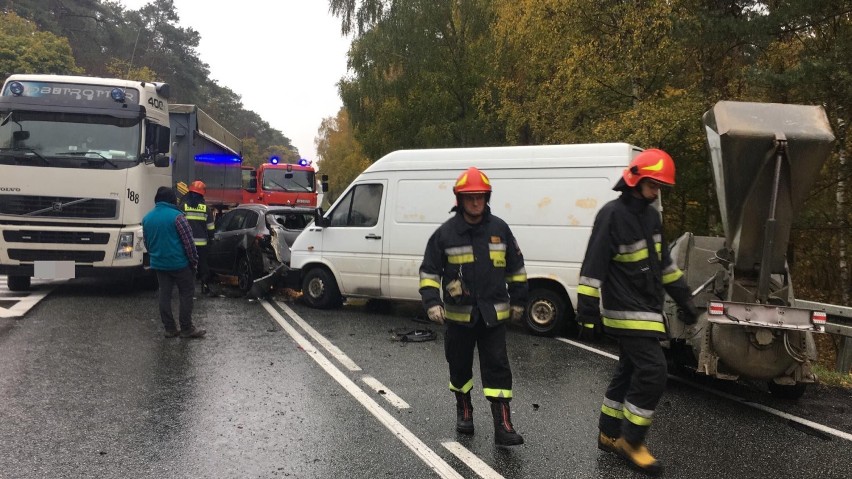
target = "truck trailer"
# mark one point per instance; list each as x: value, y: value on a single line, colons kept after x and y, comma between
x: 80, y: 161
x: 765, y: 158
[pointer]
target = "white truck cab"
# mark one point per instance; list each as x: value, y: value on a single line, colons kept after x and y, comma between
x: 371, y: 241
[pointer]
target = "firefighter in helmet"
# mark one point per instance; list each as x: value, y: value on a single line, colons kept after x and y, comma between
x: 201, y: 221
x: 628, y: 269
x: 468, y: 264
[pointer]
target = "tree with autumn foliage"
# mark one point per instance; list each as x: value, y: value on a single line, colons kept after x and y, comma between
x: 341, y: 157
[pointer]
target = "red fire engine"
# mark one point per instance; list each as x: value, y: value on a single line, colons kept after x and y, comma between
x: 291, y: 184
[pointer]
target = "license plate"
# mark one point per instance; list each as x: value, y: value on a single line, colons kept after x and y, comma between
x: 53, y: 269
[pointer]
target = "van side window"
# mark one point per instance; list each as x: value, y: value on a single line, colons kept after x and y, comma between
x: 360, y: 207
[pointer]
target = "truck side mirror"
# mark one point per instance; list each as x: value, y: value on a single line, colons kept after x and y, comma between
x: 324, y: 183
x: 163, y: 139
x: 252, y: 186
x: 161, y: 160
x: 319, y: 219
x: 18, y: 136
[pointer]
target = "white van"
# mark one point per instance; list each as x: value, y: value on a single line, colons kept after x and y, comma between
x: 371, y: 241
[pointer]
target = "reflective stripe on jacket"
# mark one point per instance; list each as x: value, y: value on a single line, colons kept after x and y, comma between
x: 200, y: 219
x: 467, y: 266
x: 628, y: 269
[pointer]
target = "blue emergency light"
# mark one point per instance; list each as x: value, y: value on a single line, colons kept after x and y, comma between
x: 274, y: 160
x: 117, y: 94
x: 217, y: 158
x: 16, y: 88
x: 304, y: 162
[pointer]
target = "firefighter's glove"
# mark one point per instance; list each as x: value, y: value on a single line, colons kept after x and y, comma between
x: 436, y: 314
x: 590, y: 328
x: 517, y: 313
x: 688, y: 313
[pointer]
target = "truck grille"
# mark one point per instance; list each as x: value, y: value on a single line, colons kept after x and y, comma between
x: 42, y: 255
x: 54, y: 237
x: 58, y: 207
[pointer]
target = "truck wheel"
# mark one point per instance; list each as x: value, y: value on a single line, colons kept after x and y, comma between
x: 244, y: 277
x: 18, y: 283
x: 319, y: 289
x: 782, y: 391
x: 545, y: 315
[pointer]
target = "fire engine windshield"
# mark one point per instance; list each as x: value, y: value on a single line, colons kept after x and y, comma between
x: 282, y: 180
x: 69, y: 140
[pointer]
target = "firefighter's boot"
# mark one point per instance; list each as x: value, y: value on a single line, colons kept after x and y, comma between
x: 606, y: 443
x: 504, y: 433
x: 638, y: 457
x: 464, y: 413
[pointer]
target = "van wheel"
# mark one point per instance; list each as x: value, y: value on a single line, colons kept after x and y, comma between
x: 18, y: 283
x: 545, y: 314
x: 244, y: 277
x: 319, y: 289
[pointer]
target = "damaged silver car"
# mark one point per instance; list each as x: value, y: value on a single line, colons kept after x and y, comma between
x: 252, y: 244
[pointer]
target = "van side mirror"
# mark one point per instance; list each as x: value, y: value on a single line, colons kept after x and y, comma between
x: 319, y: 219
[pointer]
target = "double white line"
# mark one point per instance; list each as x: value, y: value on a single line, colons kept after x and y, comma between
x: 427, y: 455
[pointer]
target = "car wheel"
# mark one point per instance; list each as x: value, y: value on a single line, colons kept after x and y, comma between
x: 18, y: 283
x: 545, y: 315
x: 319, y: 289
x: 245, y: 278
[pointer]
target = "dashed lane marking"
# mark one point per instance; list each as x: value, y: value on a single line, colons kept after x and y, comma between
x: 427, y: 455
x: 760, y: 407
x: 482, y: 469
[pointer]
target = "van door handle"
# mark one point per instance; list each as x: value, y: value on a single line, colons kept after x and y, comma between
x: 372, y: 236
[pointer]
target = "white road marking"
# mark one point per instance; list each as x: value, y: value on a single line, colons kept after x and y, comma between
x: 23, y: 303
x: 761, y: 407
x: 380, y: 388
x: 331, y: 348
x: 478, y: 466
x: 427, y: 455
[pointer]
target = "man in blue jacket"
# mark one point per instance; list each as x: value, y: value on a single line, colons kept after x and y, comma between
x: 171, y: 249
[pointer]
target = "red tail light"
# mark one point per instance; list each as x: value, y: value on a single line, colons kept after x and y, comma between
x: 716, y: 309
x: 819, y: 317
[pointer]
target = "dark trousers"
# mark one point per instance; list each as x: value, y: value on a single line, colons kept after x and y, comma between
x: 635, y: 389
x: 185, y: 282
x: 493, y: 359
x: 203, y: 267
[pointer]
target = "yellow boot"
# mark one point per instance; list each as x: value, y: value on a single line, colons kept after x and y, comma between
x: 639, y: 457
x: 606, y: 443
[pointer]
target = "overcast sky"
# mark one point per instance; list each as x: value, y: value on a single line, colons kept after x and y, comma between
x: 283, y: 57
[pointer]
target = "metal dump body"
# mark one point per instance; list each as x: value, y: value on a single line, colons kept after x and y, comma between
x: 742, y: 138
x: 203, y: 150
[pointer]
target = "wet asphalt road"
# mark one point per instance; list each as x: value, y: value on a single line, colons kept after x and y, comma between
x: 90, y: 388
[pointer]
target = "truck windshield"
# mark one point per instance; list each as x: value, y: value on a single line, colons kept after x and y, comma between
x: 69, y: 140
x: 300, y: 180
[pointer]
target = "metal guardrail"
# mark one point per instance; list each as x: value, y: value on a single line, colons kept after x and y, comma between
x: 839, y: 323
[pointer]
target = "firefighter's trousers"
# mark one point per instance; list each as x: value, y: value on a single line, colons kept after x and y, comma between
x: 493, y: 358
x: 635, y: 389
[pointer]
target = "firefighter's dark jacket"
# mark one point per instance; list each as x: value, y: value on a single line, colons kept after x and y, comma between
x: 619, y: 270
x: 485, y: 259
x: 200, y: 217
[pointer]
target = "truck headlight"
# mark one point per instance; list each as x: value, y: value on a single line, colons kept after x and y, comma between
x: 125, y: 246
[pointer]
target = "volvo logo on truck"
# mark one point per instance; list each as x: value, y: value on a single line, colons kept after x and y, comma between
x: 10, y: 189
